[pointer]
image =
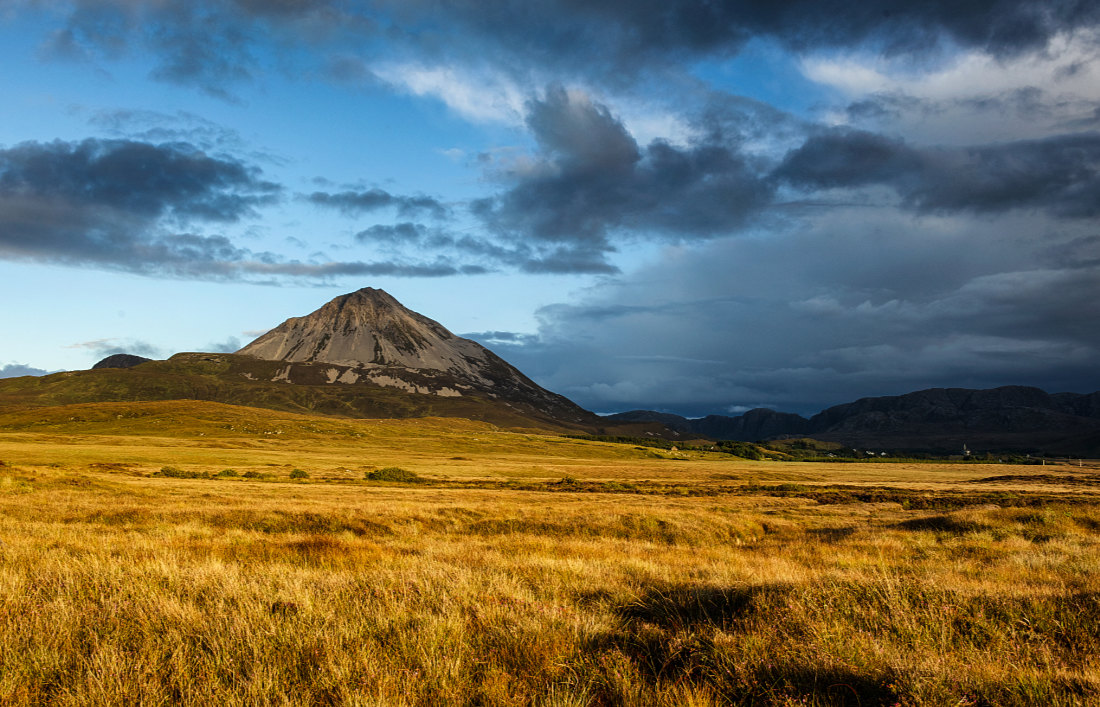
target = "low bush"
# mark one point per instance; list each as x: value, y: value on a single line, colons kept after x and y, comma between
x: 299, y: 474
x: 173, y: 472
x: 393, y: 473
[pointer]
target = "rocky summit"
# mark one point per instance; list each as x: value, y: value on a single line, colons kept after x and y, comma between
x: 369, y: 328
x: 368, y: 337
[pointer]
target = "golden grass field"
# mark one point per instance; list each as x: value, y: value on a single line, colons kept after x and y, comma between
x: 524, y: 569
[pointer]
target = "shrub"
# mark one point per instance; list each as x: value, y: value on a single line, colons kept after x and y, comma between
x: 299, y: 474
x: 256, y: 475
x: 227, y: 472
x: 393, y: 473
x: 173, y: 472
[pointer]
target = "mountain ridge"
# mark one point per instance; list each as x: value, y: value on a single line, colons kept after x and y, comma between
x: 934, y: 419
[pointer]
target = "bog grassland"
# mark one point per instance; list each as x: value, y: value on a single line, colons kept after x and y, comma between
x: 202, y: 554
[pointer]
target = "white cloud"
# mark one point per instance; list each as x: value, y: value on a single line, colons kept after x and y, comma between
x: 975, y: 97
x: 481, y: 97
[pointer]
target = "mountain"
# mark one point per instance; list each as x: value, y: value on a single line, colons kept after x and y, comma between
x: 939, y: 419
x: 361, y: 355
x: 368, y: 337
x: 944, y: 419
x: 752, y: 426
x: 370, y: 329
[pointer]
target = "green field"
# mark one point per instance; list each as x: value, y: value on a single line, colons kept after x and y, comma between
x: 516, y: 568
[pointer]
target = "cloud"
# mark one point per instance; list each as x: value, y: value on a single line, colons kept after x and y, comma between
x: 1059, y: 174
x: 478, y: 95
x: 527, y: 257
x: 591, y: 180
x: 116, y: 204
x: 182, y: 127
x: 353, y: 203
x: 14, y: 370
x: 101, y: 348
x: 141, y: 179
x: 441, y: 267
x: 218, y: 46
x: 131, y: 206
x: 510, y: 338
x: 858, y: 301
x: 228, y: 346
x: 212, y: 46
x: 970, y: 96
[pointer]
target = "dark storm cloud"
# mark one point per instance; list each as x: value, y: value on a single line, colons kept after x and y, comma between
x: 863, y: 301
x: 101, y: 202
x: 353, y: 203
x: 116, y: 204
x: 104, y: 203
x: 592, y: 179
x: 1059, y: 174
x: 216, y: 45
x: 137, y: 178
x: 633, y: 32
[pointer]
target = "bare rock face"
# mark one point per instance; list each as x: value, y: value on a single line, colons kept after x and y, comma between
x: 368, y: 337
x: 369, y: 328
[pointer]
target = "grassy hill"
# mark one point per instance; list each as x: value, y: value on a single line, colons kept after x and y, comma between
x: 275, y: 385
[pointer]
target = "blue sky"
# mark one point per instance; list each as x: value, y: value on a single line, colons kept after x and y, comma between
x: 683, y: 206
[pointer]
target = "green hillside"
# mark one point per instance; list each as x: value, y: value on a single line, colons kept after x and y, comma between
x: 275, y: 385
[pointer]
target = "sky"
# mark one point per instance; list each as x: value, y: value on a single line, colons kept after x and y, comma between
x: 680, y: 205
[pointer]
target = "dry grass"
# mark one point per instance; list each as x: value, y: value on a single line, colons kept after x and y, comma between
x: 699, y: 581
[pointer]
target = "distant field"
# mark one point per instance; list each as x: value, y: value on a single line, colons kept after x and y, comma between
x: 521, y: 569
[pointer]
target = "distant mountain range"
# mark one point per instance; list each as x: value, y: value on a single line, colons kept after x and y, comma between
x: 365, y: 355
x: 1011, y: 418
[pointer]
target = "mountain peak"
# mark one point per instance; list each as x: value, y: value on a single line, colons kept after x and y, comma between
x: 367, y: 327
x: 373, y: 338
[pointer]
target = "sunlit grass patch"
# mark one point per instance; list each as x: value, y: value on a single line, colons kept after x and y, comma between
x: 521, y: 579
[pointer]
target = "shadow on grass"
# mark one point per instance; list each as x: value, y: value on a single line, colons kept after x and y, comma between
x: 763, y: 644
x: 944, y: 524
x: 832, y: 535
x: 701, y: 635
x: 686, y: 607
